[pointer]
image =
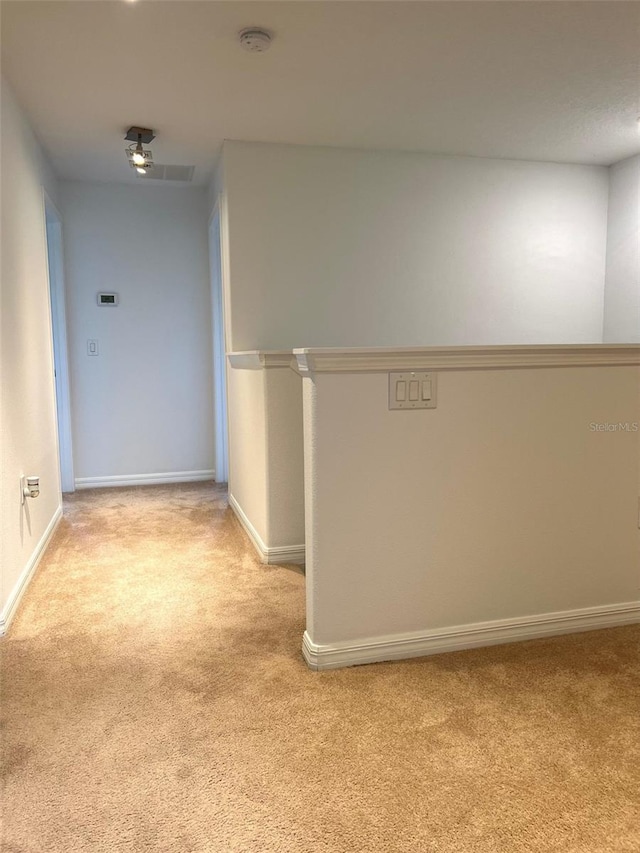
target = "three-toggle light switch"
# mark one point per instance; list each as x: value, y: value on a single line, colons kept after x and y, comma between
x: 416, y: 390
x: 412, y: 390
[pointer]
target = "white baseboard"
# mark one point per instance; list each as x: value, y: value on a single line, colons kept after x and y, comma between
x: 287, y: 554
x: 144, y: 479
x: 399, y: 646
x: 8, y: 611
x: 282, y: 554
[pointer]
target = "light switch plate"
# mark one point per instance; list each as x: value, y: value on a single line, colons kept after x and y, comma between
x: 413, y: 390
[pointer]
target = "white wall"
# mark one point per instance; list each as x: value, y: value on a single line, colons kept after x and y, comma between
x: 285, y: 458
x: 503, y: 503
x: 143, y: 408
x: 622, y: 292
x: 331, y: 247
x: 29, y: 442
x: 248, y: 448
x: 266, y: 476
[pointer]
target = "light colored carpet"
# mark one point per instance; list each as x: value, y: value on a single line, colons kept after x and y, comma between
x: 155, y: 699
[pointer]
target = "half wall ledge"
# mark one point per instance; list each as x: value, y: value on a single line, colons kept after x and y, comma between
x: 380, y: 359
x: 509, y: 511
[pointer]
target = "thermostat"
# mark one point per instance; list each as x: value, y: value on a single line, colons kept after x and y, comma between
x: 107, y: 299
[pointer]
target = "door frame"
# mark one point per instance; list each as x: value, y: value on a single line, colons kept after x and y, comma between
x: 220, y: 335
x: 57, y: 303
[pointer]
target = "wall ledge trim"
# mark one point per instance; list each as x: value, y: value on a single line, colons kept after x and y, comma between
x: 268, y: 555
x: 382, y: 359
x: 144, y: 479
x: 261, y: 359
x: 418, y: 644
x: 15, y: 596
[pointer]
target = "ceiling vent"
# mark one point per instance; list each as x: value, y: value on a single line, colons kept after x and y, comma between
x: 161, y: 172
x: 255, y: 39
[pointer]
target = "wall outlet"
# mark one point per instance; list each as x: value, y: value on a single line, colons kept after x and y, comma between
x: 29, y: 487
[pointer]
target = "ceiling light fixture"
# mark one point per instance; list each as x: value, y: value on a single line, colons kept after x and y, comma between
x: 145, y: 169
x: 139, y: 157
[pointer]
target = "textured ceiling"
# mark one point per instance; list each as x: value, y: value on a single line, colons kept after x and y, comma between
x: 529, y: 80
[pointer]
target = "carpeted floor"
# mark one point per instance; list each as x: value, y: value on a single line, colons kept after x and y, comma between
x: 155, y: 699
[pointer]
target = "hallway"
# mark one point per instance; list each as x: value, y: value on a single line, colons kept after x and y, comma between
x: 155, y: 699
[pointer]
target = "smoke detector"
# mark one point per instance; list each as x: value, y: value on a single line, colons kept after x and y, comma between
x: 255, y: 39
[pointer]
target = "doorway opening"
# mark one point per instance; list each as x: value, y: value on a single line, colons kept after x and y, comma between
x: 53, y: 224
x: 219, y: 349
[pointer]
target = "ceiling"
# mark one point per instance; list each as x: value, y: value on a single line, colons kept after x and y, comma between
x: 556, y: 81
